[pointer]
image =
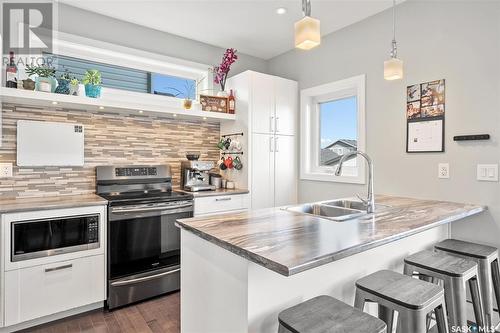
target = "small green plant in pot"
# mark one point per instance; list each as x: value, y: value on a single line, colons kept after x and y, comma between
x: 63, y: 84
x: 74, y: 86
x: 45, y: 80
x: 92, y: 81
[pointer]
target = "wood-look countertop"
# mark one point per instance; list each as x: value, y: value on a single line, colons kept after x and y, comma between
x: 289, y: 243
x: 50, y: 202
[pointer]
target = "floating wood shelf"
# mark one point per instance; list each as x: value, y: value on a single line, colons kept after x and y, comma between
x: 138, y: 102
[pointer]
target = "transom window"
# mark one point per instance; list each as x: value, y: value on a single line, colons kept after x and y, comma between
x: 332, y: 125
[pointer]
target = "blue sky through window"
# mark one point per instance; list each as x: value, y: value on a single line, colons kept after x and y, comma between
x: 338, y: 120
x: 173, y: 86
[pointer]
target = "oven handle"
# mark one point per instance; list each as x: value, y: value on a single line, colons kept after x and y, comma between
x: 149, y: 209
x: 145, y: 278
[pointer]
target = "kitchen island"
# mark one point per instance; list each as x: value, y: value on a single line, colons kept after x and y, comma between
x: 240, y: 270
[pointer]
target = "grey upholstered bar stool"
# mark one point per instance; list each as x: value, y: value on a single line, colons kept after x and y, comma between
x: 489, y: 275
x: 325, y: 314
x: 412, y: 298
x: 455, y: 272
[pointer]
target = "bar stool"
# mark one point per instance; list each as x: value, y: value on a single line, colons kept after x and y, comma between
x: 325, y: 314
x: 489, y: 275
x: 412, y: 298
x: 455, y: 272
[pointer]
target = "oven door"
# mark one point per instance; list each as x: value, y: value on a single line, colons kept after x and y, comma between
x: 144, y: 237
x: 144, y: 251
x: 42, y: 238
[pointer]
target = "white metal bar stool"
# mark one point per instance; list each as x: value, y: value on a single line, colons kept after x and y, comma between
x: 455, y: 273
x: 489, y: 274
x: 413, y: 299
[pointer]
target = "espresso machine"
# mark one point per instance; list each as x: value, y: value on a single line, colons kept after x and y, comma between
x: 195, y: 176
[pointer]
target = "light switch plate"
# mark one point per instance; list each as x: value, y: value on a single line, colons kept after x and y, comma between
x: 487, y: 172
x: 5, y: 170
x: 443, y: 170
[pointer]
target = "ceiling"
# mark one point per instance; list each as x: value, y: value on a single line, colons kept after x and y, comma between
x: 252, y: 27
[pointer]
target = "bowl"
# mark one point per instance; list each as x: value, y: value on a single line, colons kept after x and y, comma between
x: 193, y: 156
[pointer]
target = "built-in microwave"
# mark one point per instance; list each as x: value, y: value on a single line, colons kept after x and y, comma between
x: 47, y: 237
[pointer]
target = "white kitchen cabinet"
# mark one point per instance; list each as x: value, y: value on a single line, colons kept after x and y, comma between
x: 43, y: 290
x: 285, y: 173
x: 266, y: 113
x: 262, y: 188
x: 286, y: 95
x: 262, y: 103
x: 216, y: 204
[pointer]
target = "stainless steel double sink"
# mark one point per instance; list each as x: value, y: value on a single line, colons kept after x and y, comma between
x: 336, y: 210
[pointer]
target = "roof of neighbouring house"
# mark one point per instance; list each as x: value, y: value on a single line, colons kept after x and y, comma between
x: 344, y: 142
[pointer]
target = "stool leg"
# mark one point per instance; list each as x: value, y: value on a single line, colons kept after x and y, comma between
x: 387, y: 315
x: 441, y: 319
x: 455, y: 295
x: 495, y: 273
x: 485, y: 281
x: 359, y: 300
x: 412, y: 321
x: 476, y: 300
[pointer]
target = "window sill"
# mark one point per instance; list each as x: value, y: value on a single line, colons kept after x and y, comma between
x: 327, y: 177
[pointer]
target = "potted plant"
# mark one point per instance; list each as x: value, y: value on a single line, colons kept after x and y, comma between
x: 220, y: 72
x: 63, y: 84
x: 74, y: 86
x: 92, y: 81
x: 45, y: 80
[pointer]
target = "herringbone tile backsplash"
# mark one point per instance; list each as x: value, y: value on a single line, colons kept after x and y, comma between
x: 110, y: 139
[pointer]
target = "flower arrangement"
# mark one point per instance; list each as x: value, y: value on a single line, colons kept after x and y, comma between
x: 220, y: 72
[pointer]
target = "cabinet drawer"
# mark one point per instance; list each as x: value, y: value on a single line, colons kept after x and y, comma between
x: 219, y: 204
x: 42, y: 290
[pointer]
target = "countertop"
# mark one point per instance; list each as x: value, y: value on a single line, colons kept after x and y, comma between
x: 220, y: 191
x: 50, y: 202
x: 289, y: 243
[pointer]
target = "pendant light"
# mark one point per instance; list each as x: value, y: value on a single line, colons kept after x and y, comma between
x: 393, y: 68
x: 307, y: 30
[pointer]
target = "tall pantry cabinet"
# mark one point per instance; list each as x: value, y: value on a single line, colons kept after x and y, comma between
x: 266, y: 113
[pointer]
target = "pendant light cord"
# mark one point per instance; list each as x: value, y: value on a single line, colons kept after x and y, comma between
x: 306, y: 7
x: 394, y: 48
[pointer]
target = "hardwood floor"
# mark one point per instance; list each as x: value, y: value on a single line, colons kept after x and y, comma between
x: 157, y: 315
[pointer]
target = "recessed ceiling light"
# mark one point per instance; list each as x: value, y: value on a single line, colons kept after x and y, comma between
x: 54, y: 103
x: 281, y: 10
x: 101, y: 108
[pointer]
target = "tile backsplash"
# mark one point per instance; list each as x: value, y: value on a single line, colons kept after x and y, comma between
x: 110, y: 139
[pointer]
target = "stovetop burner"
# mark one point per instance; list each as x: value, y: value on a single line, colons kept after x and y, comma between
x: 144, y: 196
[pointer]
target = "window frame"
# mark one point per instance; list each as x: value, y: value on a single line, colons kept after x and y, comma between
x: 310, y: 139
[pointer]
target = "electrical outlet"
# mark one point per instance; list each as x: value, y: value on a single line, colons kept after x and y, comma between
x: 443, y: 170
x: 5, y: 170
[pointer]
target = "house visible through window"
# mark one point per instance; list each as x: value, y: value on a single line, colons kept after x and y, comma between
x: 338, y: 130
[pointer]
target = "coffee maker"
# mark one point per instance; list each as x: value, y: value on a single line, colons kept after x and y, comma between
x: 195, y: 176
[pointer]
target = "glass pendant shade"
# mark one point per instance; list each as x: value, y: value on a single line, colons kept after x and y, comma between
x: 393, y: 69
x: 307, y: 33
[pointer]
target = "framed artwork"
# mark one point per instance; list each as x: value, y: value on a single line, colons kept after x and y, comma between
x: 214, y: 103
x: 425, y: 108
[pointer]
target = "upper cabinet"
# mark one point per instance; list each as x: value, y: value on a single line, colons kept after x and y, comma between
x: 285, y: 117
x: 274, y: 104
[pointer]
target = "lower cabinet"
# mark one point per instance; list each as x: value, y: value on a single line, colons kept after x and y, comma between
x: 42, y: 290
x: 220, y: 204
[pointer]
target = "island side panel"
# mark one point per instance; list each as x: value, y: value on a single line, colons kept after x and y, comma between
x: 213, y: 288
x: 269, y: 292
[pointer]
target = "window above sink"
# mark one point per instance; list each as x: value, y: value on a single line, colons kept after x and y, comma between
x: 333, y: 124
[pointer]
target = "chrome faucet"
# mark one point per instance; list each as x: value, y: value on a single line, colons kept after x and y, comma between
x: 370, y: 201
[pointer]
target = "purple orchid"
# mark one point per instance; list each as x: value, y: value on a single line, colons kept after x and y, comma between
x: 221, y: 71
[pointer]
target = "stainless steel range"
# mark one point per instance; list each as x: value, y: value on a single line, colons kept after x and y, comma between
x: 143, y: 241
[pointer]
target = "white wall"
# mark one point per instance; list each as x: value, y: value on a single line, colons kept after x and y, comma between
x: 99, y: 27
x: 457, y: 41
